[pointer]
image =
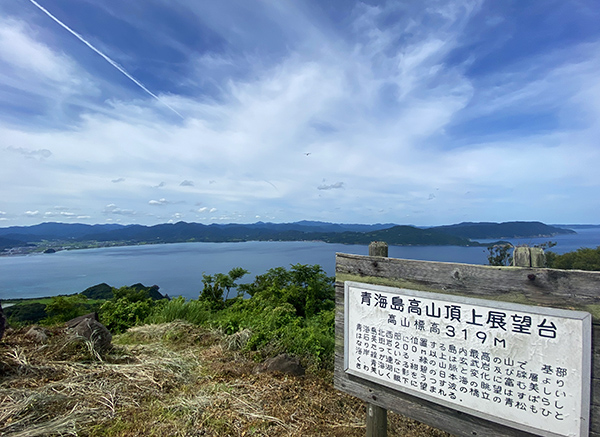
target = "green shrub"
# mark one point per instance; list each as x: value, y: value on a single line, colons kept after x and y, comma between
x: 121, y: 314
x: 305, y: 287
x: 128, y: 307
x: 25, y: 313
x: 194, y: 311
x: 64, y: 308
x: 288, y: 311
x: 581, y: 259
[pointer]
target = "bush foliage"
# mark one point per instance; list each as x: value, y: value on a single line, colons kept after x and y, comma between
x: 64, y: 308
x: 582, y: 259
x: 285, y: 311
x: 129, y: 307
x: 25, y: 313
x: 500, y: 254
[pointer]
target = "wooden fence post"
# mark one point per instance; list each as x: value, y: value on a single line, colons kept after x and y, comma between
x: 524, y: 256
x: 377, y: 416
x: 378, y: 248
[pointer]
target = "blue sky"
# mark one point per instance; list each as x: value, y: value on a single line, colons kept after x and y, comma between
x: 408, y: 112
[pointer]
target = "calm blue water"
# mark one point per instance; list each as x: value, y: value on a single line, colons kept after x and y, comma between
x: 178, y: 268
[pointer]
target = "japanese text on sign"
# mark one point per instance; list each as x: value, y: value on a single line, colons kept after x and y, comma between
x: 523, y: 366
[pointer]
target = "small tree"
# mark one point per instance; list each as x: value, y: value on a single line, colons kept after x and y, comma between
x: 500, y: 254
x: 307, y: 288
x: 216, y: 285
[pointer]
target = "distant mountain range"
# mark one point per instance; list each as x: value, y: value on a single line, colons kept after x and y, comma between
x: 462, y: 234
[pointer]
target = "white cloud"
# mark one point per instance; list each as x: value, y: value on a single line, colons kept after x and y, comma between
x: 41, y: 153
x: 159, y: 202
x: 30, y: 56
x: 64, y: 215
x: 33, y: 75
x: 113, y: 209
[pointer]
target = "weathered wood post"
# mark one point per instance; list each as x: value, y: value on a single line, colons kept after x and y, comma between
x: 377, y: 416
x: 378, y: 248
x: 524, y: 256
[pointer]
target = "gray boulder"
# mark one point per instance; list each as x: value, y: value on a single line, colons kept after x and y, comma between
x: 37, y: 334
x: 283, y: 363
x: 77, y: 320
x: 92, y: 330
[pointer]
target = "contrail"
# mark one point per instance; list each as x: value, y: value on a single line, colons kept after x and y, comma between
x: 106, y: 58
x: 271, y: 183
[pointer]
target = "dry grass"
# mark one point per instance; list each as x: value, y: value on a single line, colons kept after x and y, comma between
x: 167, y: 380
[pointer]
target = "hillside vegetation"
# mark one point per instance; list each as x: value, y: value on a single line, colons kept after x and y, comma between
x: 188, y: 368
x: 59, y: 309
x: 288, y: 310
x: 171, y: 379
x: 581, y: 259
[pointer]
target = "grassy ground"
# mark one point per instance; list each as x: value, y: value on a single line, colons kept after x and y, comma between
x: 172, y: 379
x: 42, y: 300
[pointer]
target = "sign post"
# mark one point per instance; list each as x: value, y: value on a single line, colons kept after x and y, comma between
x: 376, y: 415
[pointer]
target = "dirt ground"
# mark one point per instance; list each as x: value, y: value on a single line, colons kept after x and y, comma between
x: 167, y: 380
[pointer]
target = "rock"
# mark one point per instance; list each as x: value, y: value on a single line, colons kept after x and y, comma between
x: 93, y: 331
x: 37, y: 334
x: 283, y: 363
x: 77, y: 320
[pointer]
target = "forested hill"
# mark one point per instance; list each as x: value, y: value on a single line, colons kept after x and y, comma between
x: 457, y: 235
x: 6, y: 243
x: 484, y: 230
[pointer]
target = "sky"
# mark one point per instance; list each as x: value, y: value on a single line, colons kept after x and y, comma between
x: 238, y: 111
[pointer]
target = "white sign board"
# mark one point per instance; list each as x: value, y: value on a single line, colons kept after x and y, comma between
x: 523, y: 366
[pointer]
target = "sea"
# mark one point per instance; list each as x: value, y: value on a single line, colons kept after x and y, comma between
x: 178, y: 268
